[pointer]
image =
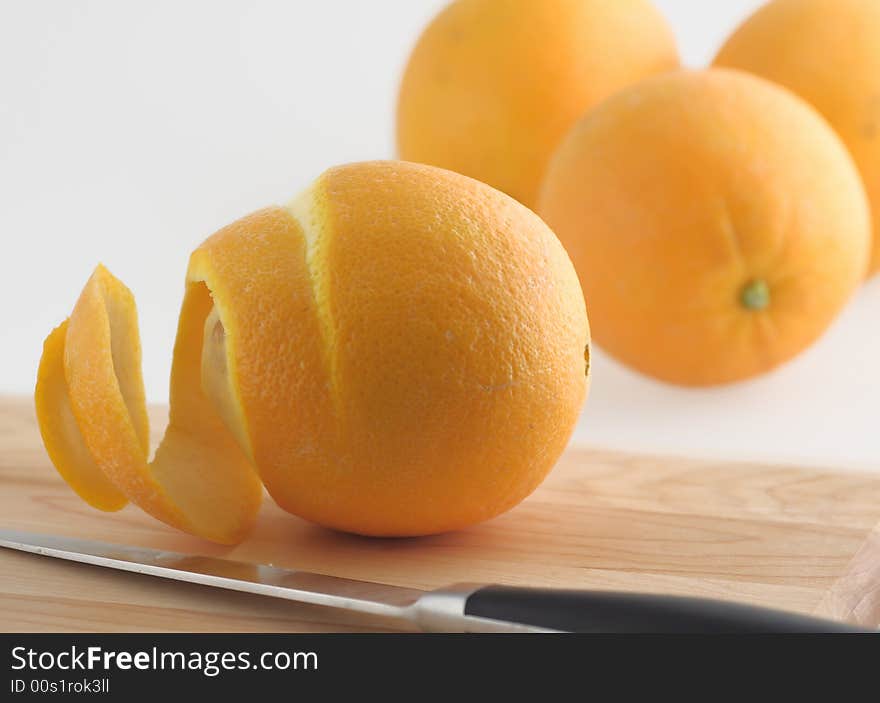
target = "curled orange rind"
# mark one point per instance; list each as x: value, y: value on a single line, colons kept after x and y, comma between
x: 93, y: 418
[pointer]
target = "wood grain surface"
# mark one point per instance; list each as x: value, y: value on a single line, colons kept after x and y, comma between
x: 786, y: 537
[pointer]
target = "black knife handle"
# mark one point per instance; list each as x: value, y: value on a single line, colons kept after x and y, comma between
x: 613, y: 612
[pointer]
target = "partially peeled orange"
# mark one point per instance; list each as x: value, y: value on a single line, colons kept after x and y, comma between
x: 400, y: 350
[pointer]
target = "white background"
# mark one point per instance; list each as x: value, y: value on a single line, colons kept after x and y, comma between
x: 131, y: 131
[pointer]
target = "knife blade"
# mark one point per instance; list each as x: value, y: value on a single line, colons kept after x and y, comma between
x: 457, y: 608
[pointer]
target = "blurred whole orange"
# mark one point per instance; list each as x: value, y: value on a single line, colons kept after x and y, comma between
x: 717, y: 222
x: 493, y: 85
x: 828, y: 52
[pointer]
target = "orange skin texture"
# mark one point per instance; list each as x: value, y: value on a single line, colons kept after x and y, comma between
x: 828, y: 52
x: 493, y: 85
x: 400, y: 351
x: 675, y: 195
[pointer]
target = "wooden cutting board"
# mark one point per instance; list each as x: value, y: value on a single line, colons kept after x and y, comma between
x: 788, y: 537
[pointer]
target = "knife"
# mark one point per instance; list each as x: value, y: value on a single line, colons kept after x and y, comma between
x: 459, y: 608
